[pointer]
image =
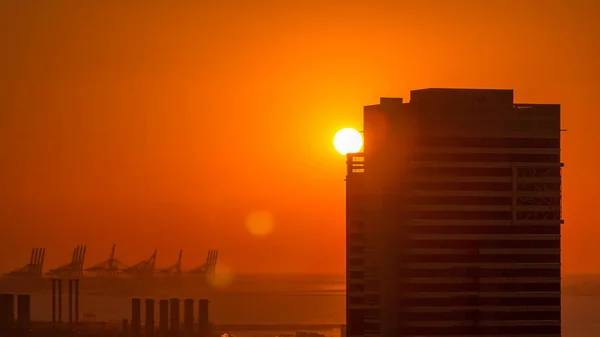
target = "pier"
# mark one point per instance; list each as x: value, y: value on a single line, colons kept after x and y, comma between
x: 176, y: 318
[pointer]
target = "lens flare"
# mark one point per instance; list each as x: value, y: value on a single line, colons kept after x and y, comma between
x: 260, y: 223
x: 222, y: 277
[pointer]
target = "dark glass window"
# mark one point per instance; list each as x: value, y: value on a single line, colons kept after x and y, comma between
x: 465, y: 300
x: 484, y: 258
x: 486, y: 157
x: 356, y: 300
x: 354, y: 287
x: 474, y: 286
x: 461, y: 186
x: 355, y: 322
x: 538, y: 171
x: 356, y: 237
x: 481, y: 330
x: 463, y: 171
x: 356, y: 262
x: 356, y: 274
x: 483, y: 142
x: 469, y: 315
x: 483, y: 229
x: 461, y: 215
x: 484, y: 244
x: 538, y: 187
x: 461, y: 200
x: 482, y: 272
x: 356, y: 249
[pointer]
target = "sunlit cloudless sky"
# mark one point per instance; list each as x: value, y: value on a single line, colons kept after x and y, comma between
x: 164, y: 124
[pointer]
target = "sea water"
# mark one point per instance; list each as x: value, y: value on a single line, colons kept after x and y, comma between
x: 300, y: 299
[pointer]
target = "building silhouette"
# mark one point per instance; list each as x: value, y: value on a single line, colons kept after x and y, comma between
x: 454, y: 216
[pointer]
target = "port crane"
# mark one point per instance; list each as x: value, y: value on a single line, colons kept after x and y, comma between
x: 73, y: 269
x: 173, y: 270
x: 35, y: 266
x: 208, y: 268
x: 108, y: 268
x: 143, y: 268
x: 112, y: 267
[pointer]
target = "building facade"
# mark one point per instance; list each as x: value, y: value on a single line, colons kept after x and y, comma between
x: 454, y: 217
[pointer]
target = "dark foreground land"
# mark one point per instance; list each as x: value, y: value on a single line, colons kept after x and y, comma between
x: 103, y: 329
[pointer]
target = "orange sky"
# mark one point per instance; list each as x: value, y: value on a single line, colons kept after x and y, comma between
x: 165, y: 125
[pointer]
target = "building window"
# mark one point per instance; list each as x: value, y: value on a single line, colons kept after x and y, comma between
x: 538, y: 171
x: 485, y: 142
x: 529, y: 330
x: 356, y: 225
x: 356, y: 237
x: 356, y: 300
x: 484, y: 244
x: 464, y: 300
x: 461, y: 200
x: 462, y: 215
x: 483, y: 272
x: 356, y: 275
x: 484, y: 258
x: 471, y: 285
x: 355, y: 322
x: 372, y: 299
x: 461, y: 186
x: 356, y: 287
x: 372, y: 327
x: 356, y: 249
x: 486, y: 157
x: 356, y: 262
x: 463, y: 171
x: 483, y: 229
x: 535, y: 186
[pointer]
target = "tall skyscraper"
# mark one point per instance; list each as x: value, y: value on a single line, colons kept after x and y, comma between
x: 454, y: 216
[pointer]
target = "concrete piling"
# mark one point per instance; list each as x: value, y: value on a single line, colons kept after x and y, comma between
x: 163, y: 317
x: 70, y: 304
x: 59, y: 309
x: 24, y: 312
x: 53, y: 301
x: 136, y: 317
x: 149, y: 324
x: 7, y: 312
x: 188, y: 317
x: 76, y: 301
x: 174, y: 303
x: 169, y: 318
x: 203, y: 327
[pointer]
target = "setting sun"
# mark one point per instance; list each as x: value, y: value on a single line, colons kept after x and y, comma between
x: 347, y: 140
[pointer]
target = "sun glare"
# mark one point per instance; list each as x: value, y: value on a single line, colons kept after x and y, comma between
x: 222, y: 277
x: 347, y: 140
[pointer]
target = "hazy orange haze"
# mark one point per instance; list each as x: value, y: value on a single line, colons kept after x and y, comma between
x: 164, y: 124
